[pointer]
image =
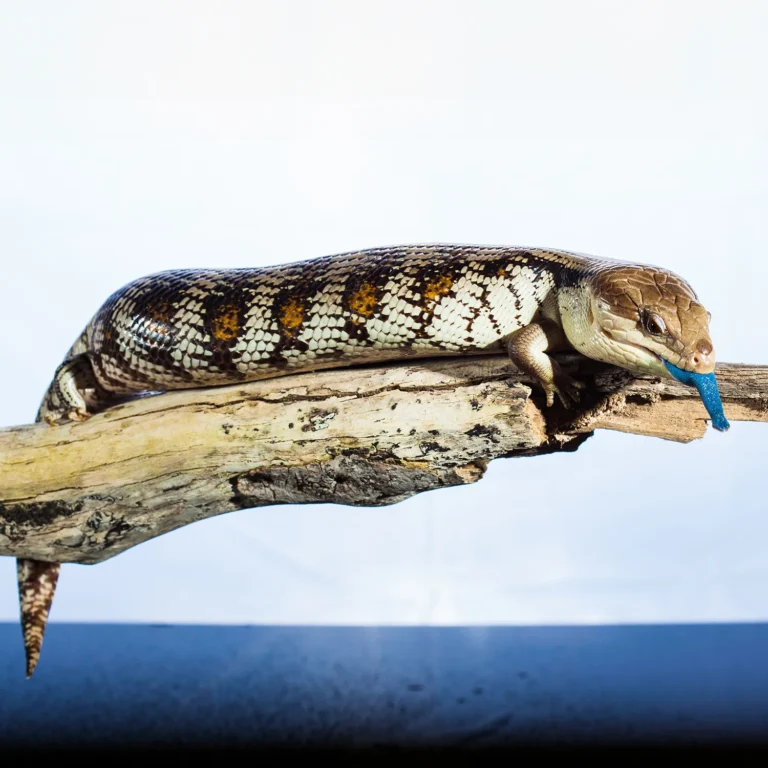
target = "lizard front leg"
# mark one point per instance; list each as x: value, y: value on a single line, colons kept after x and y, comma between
x: 528, y: 349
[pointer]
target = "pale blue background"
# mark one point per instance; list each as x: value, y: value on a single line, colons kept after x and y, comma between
x: 137, y: 136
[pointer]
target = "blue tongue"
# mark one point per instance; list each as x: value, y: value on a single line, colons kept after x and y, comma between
x: 710, y: 396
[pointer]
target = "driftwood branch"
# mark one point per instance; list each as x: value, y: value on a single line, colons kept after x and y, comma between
x: 363, y: 436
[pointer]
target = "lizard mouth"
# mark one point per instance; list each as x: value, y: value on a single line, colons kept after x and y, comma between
x: 690, y: 362
x: 654, y: 361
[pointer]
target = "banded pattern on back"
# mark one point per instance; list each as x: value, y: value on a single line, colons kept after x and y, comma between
x: 189, y: 328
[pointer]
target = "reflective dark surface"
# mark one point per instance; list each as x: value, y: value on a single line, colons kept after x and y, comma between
x: 337, y: 686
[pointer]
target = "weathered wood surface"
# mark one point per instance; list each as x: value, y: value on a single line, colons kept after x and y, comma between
x: 363, y: 436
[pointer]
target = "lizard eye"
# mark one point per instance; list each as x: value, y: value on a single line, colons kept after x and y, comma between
x: 653, y: 324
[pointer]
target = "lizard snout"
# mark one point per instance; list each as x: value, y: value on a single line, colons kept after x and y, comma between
x: 702, y: 359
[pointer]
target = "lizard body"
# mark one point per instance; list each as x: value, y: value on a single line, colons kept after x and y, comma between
x: 193, y: 328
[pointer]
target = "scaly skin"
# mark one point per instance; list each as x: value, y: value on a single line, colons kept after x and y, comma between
x: 192, y: 328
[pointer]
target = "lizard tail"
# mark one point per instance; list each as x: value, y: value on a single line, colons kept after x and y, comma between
x: 37, y: 579
x: 37, y: 585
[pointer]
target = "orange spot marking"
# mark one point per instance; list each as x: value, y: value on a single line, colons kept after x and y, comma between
x: 437, y: 289
x: 158, y: 318
x: 225, y: 324
x: 160, y: 312
x: 291, y: 316
x: 364, y: 300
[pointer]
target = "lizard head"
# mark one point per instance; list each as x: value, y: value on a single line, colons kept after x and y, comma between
x: 641, y: 316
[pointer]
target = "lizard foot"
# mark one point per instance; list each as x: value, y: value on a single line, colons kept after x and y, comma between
x: 65, y: 399
x: 54, y: 418
x: 567, y: 389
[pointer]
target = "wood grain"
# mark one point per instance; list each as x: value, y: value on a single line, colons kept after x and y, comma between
x: 366, y: 436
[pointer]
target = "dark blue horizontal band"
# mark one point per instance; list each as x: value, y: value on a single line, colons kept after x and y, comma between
x: 341, y: 686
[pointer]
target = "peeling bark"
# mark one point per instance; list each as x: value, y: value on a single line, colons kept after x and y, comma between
x: 366, y: 436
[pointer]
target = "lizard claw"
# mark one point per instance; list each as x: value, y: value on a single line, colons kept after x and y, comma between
x: 55, y: 419
x: 567, y: 389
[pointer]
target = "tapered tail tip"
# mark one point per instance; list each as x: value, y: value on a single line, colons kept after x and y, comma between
x: 37, y: 586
